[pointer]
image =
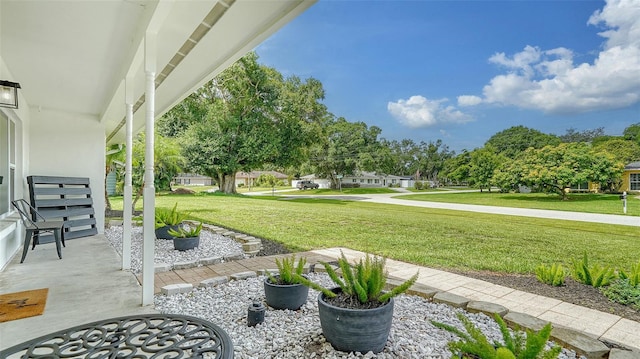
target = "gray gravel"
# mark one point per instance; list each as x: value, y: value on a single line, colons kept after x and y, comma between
x: 211, y: 245
x: 297, y: 334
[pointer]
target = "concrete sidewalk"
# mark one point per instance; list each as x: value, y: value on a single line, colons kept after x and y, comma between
x: 395, y: 198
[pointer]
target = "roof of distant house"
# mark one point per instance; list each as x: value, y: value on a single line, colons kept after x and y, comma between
x: 633, y: 166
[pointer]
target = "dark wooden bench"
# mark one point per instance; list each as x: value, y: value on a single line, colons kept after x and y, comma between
x: 67, y: 199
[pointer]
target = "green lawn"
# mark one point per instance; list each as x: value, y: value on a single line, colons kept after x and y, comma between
x: 578, y: 202
x: 430, y: 237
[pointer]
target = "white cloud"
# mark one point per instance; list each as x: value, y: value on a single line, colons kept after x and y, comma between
x: 419, y: 111
x: 550, y: 81
x: 466, y: 100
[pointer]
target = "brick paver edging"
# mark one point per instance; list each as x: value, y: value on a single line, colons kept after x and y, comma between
x: 578, y: 341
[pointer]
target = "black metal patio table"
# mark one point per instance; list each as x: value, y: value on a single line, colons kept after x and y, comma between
x: 135, y: 336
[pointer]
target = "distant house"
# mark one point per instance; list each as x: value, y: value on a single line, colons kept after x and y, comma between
x: 371, y: 179
x: 192, y: 179
x: 249, y: 178
x: 631, y: 177
x: 363, y: 179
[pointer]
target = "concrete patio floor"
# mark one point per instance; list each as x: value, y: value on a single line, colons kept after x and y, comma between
x: 86, y: 285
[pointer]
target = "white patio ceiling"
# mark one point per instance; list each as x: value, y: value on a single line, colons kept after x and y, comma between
x: 72, y: 56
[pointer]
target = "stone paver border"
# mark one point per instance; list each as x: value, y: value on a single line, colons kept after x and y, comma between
x: 582, y: 343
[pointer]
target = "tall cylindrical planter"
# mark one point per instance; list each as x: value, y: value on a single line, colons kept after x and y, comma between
x: 287, y: 296
x: 163, y: 232
x: 355, y: 330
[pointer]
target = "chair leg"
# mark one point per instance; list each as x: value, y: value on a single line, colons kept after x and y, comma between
x: 27, y: 239
x: 57, y: 235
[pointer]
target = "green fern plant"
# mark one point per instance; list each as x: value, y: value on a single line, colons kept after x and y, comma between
x: 364, y: 281
x: 165, y: 217
x: 288, y: 271
x: 593, y: 275
x: 633, y: 276
x: 515, y: 346
x: 186, y: 233
x: 553, y: 275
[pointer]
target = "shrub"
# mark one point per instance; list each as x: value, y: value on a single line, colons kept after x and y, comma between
x: 418, y: 185
x: 553, y: 275
x: 595, y: 275
x: 475, y: 343
x: 186, y: 233
x: 624, y: 292
x: 364, y: 282
x: 633, y: 276
x: 288, y: 270
x: 165, y: 217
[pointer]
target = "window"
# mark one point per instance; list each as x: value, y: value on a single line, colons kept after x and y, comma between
x: 354, y: 180
x: 7, y: 163
x: 376, y: 181
x: 369, y: 180
x: 634, y: 182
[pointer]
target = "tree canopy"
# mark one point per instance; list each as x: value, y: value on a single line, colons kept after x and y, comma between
x: 251, y: 116
x: 556, y: 168
x: 515, y: 140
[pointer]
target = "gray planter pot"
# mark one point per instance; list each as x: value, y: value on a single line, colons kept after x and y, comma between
x: 184, y: 244
x: 355, y: 330
x: 290, y: 297
x: 163, y: 232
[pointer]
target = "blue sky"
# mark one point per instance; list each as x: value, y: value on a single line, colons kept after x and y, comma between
x: 461, y: 71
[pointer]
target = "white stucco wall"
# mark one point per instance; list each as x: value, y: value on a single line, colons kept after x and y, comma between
x: 71, y: 145
x: 11, y: 231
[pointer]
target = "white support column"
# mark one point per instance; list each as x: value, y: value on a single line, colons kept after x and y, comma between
x: 128, y: 187
x: 149, y: 192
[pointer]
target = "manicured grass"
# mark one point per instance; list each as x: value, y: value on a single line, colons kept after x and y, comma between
x: 578, y: 202
x: 430, y: 237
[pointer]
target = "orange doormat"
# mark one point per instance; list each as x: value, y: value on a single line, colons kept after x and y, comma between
x: 20, y: 305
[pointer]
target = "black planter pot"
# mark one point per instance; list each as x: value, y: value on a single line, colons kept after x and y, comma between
x: 184, y: 244
x: 163, y: 232
x: 355, y: 330
x: 290, y: 297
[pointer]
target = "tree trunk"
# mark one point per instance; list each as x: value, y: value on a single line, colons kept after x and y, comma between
x: 135, y: 200
x: 106, y: 195
x: 227, y: 182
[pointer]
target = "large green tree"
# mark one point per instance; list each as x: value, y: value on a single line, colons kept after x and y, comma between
x: 514, y: 140
x: 482, y: 165
x: 251, y: 117
x: 346, y: 147
x: 555, y: 168
x: 573, y: 135
x: 632, y: 132
x: 456, y: 169
x: 431, y: 157
x: 624, y: 151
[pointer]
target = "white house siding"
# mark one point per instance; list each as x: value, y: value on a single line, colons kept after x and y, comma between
x: 11, y: 232
x: 70, y: 145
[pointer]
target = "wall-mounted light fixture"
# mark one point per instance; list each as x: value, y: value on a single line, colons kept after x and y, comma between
x: 9, y: 94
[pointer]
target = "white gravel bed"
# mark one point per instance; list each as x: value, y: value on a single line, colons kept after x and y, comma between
x: 297, y: 334
x: 211, y: 245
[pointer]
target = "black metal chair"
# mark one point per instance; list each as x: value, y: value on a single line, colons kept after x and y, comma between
x: 35, y: 224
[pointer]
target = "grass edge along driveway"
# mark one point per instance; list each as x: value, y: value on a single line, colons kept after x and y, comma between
x: 577, y: 202
x: 424, y: 236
